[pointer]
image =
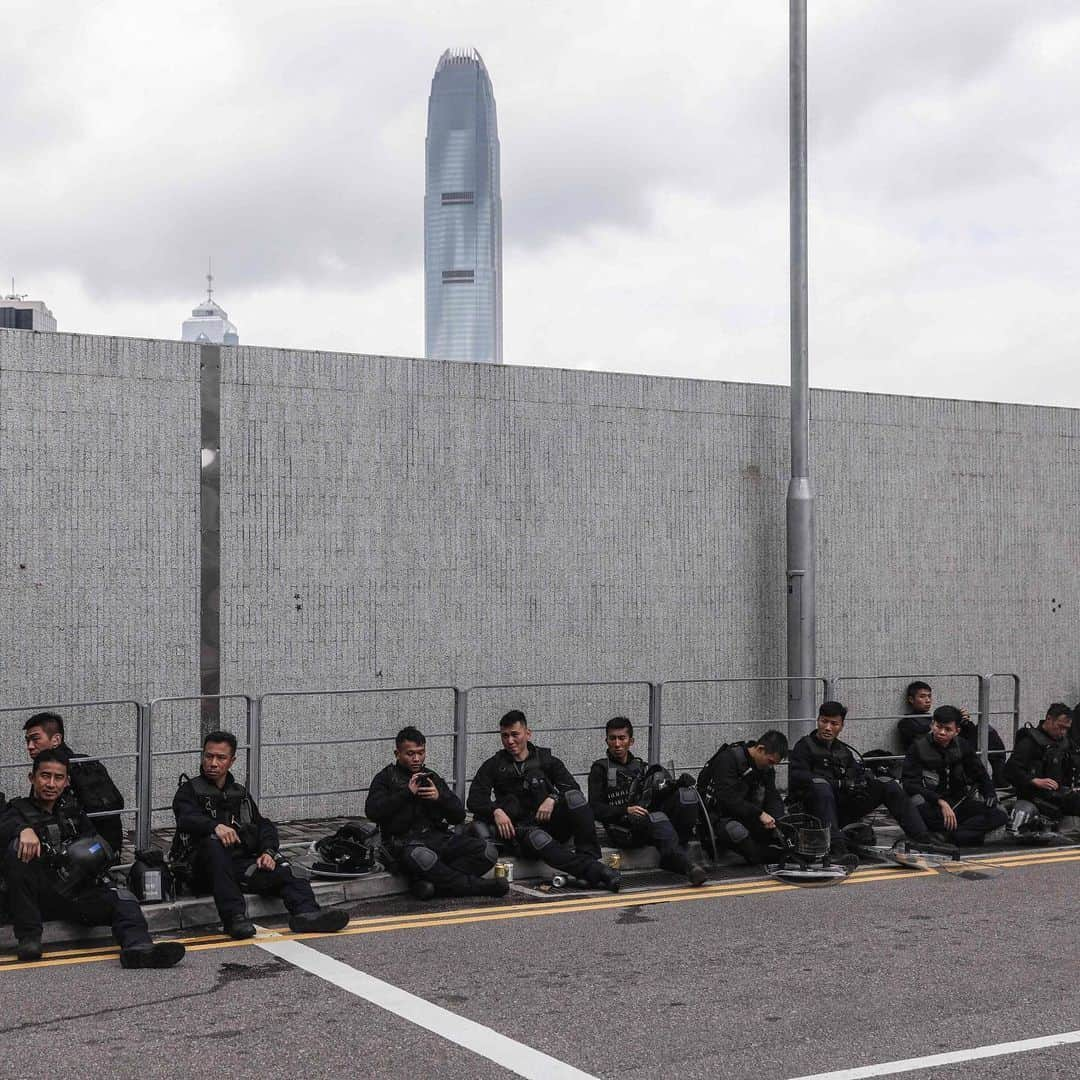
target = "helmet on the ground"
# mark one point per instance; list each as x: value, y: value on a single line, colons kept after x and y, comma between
x: 342, y: 854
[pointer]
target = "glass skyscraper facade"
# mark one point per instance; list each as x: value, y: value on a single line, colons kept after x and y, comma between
x: 462, y: 214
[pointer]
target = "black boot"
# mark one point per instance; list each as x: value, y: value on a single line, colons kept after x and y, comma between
x: 323, y: 921
x: 28, y: 949
x: 239, y: 928
x: 164, y: 954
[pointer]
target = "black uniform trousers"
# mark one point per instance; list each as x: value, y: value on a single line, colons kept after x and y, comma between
x: 1056, y: 804
x: 451, y: 862
x: 974, y: 819
x: 837, y: 809
x: 547, y: 840
x: 668, y: 829
x: 32, y: 896
x: 748, y: 837
x: 230, y: 875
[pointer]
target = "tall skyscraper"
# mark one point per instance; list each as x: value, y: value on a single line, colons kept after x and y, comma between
x: 209, y: 322
x: 462, y: 214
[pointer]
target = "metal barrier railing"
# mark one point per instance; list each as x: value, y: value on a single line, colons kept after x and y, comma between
x: 1014, y: 712
x: 818, y: 680
x: 147, y: 754
x: 140, y: 725
x: 982, y: 714
x: 148, y: 716
x: 260, y: 705
x: 460, y: 776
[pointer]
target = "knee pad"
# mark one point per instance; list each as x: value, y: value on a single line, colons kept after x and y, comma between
x: 491, y: 852
x: 658, y: 818
x: 688, y: 796
x: 421, y: 858
x: 737, y: 831
x: 538, y: 839
x: 917, y: 800
x: 478, y: 828
x: 575, y: 800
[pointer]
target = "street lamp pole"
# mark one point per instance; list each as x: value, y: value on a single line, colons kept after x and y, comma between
x: 800, y: 493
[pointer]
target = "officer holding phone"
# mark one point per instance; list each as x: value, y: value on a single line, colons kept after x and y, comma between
x: 420, y: 820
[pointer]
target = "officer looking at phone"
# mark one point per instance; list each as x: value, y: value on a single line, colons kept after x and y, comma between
x: 421, y: 823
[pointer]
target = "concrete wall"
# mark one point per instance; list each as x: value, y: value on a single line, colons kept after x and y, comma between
x: 389, y: 521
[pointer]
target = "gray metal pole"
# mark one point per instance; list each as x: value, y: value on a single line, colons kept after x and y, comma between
x: 800, y: 494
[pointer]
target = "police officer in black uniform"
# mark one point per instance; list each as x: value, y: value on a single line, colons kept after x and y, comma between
x: 55, y: 863
x: 738, y: 788
x: 1044, y: 766
x: 528, y: 796
x: 833, y: 784
x: 948, y: 784
x: 416, y: 813
x: 616, y: 779
x: 89, y: 779
x: 235, y: 849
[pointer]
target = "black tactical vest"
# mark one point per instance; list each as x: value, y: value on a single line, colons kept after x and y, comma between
x: 525, y: 779
x: 53, y: 829
x: 835, y: 761
x: 943, y: 770
x: 1056, y: 762
x: 620, y: 780
x: 230, y: 805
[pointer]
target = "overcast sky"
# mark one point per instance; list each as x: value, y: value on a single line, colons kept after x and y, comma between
x: 644, y: 180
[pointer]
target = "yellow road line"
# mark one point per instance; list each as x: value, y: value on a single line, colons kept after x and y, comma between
x: 1032, y: 861
x: 459, y: 917
x: 1024, y: 856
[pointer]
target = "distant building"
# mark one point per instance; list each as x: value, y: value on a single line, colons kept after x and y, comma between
x: 18, y: 313
x: 209, y: 322
x: 462, y: 214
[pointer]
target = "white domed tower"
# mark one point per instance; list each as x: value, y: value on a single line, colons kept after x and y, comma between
x: 209, y: 323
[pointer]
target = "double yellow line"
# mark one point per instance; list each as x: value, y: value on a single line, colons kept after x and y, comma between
x: 382, y: 924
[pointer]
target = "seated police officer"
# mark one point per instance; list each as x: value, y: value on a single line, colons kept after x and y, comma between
x: 618, y: 779
x: 55, y: 863
x: 235, y: 849
x: 830, y: 780
x: 948, y: 784
x: 529, y: 796
x: 1044, y: 766
x: 738, y: 788
x: 919, y: 703
x: 89, y: 780
x: 416, y: 811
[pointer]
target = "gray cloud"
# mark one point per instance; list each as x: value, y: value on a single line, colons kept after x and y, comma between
x: 288, y: 142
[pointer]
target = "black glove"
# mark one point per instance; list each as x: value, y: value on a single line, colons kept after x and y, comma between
x: 685, y: 780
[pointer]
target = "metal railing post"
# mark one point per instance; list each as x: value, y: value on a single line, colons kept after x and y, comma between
x: 254, y: 741
x: 143, y: 778
x: 655, y: 712
x: 984, y: 720
x: 461, y: 740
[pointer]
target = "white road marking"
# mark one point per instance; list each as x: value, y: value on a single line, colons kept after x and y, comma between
x: 515, y: 1056
x: 953, y: 1057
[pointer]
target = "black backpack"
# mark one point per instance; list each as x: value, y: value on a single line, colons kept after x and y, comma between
x: 94, y: 787
x: 150, y: 878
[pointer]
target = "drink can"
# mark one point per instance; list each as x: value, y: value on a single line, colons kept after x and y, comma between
x: 504, y: 871
x: 614, y: 860
x: 558, y: 881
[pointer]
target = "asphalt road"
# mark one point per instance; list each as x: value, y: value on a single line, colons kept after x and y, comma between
x: 744, y: 979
